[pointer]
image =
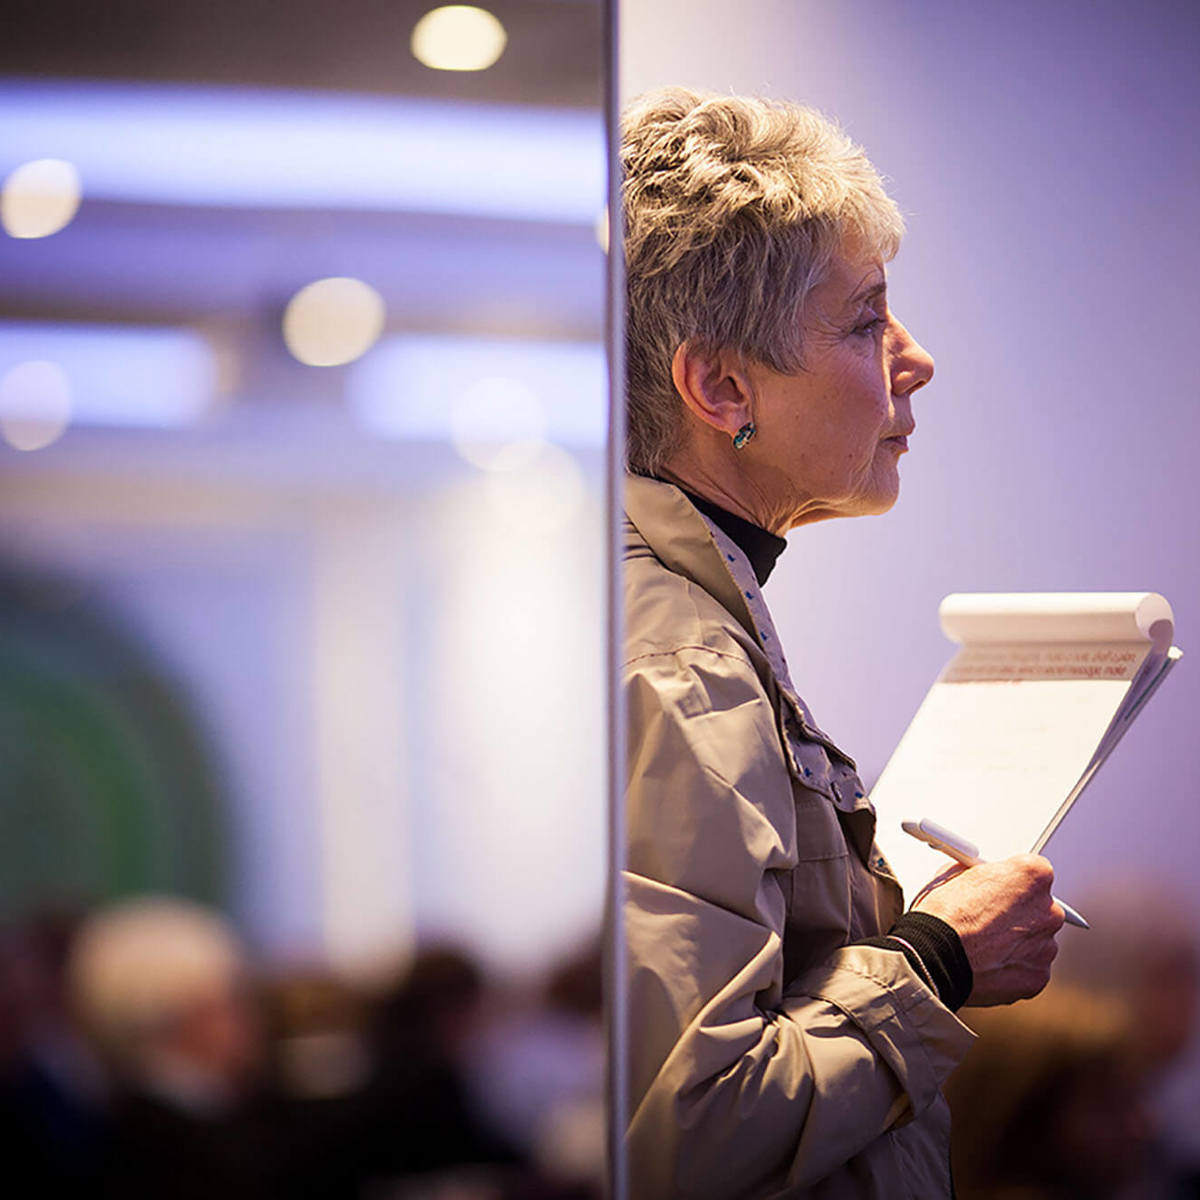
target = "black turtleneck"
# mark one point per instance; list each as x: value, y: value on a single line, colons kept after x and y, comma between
x: 759, y: 545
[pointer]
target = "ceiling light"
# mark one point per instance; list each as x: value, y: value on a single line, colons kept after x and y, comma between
x: 333, y: 321
x: 361, y: 152
x: 400, y: 390
x: 39, y: 198
x: 458, y: 37
x: 35, y: 404
x: 122, y: 376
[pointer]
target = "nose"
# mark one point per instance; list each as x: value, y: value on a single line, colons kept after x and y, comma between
x: 912, y: 364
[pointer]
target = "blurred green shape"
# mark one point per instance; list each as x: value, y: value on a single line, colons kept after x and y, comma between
x: 106, y: 785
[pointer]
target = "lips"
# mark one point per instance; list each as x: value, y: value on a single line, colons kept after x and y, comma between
x: 900, y: 440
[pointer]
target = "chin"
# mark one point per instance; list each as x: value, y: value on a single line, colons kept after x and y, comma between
x: 876, y: 502
x: 883, y: 496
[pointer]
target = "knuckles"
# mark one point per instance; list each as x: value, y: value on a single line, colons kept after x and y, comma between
x: 1036, y: 869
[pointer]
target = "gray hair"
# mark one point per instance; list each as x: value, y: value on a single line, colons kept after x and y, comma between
x: 734, y: 208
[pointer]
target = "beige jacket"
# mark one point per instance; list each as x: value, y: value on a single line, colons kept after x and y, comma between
x: 769, y: 1055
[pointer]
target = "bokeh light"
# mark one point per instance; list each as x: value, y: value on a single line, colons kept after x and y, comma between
x: 458, y: 37
x: 544, y: 496
x: 40, y: 198
x: 601, y: 230
x: 498, y: 424
x: 35, y: 404
x: 333, y: 321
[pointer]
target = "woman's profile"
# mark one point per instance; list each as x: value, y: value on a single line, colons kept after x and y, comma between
x: 791, y: 1026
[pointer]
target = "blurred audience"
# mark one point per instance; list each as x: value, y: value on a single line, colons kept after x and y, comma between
x: 52, y: 1091
x: 424, y: 1032
x: 1047, y: 1104
x: 161, y: 987
x: 539, y: 1074
x: 1144, y: 950
x: 143, y: 1055
x: 1063, y: 1096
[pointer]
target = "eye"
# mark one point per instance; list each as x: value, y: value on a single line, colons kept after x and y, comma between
x: 872, y: 325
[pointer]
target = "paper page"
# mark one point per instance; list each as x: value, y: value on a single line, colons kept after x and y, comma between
x: 1139, y: 694
x: 988, y: 661
x: 1043, y: 686
x: 991, y: 760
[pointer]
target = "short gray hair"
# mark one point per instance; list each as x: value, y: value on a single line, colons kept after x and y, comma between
x: 734, y: 208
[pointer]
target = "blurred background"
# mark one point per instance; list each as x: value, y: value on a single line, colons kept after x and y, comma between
x: 301, y: 551
x: 1047, y: 159
x: 302, y: 411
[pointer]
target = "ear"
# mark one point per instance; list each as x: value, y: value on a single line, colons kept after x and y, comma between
x: 714, y: 386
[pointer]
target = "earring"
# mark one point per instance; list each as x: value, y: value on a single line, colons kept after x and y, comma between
x: 744, y: 434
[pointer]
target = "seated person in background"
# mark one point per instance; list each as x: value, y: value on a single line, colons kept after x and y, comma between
x: 425, y: 1028
x: 1143, y: 951
x: 159, y: 984
x: 52, y: 1091
x: 1047, y: 1104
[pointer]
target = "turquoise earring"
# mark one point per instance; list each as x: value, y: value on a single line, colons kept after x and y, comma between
x: 743, y: 435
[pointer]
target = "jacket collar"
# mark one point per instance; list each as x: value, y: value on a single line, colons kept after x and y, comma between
x: 683, y: 541
x: 686, y: 543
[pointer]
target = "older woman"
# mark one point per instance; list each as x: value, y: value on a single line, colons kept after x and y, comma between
x: 791, y: 1027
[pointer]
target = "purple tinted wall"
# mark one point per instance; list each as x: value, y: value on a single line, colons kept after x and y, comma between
x: 1047, y: 157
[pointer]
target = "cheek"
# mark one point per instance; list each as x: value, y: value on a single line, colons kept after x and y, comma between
x: 867, y: 422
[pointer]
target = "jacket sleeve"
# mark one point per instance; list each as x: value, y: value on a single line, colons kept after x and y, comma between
x: 741, y: 1080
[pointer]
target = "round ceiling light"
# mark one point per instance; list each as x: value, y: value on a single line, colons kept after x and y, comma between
x: 40, y: 198
x: 458, y: 37
x: 333, y: 321
x: 35, y: 405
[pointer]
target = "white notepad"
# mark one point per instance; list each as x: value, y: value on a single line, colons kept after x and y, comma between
x: 1042, y: 688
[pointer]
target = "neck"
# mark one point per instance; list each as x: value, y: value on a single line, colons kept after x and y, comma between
x: 727, y: 485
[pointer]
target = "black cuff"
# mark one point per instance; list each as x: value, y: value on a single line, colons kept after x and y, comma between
x: 936, y: 954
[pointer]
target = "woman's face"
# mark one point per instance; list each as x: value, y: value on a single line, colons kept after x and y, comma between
x: 829, y: 438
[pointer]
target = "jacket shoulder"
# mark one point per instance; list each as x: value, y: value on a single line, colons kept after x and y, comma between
x: 666, y: 612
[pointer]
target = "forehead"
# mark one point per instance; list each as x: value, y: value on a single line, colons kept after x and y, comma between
x: 851, y: 280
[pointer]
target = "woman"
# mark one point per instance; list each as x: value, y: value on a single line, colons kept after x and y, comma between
x: 790, y: 1029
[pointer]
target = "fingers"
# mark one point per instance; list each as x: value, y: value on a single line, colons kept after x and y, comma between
x: 1041, y: 950
x: 1007, y: 919
x: 1037, y: 870
x: 1019, y: 977
x: 949, y: 873
x: 1045, y: 915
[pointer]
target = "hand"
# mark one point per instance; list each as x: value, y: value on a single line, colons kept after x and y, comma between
x: 1007, y: 921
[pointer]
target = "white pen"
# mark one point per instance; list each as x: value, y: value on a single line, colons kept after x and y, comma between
x: 966, y: 853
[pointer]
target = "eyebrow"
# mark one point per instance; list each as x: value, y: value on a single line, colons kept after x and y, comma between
x: 869, y: 293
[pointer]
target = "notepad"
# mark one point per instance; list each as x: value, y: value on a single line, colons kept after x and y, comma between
x: 1042, y: 688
